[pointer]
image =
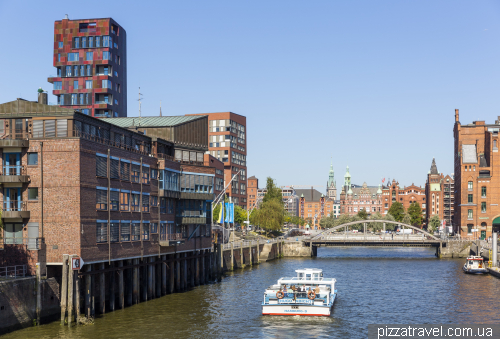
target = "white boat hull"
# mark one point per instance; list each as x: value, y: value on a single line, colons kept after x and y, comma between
x: 304, y: 310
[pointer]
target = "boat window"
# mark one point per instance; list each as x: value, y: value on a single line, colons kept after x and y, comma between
x: 315, y: 276
x: 308, y: 277
x: 301, y: 275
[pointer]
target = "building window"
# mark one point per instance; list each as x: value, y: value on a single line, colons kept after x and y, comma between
x: 58, y: 57
x: 470, y: 198
x: 76, y: 43
x: 91, y: 41
x: 145, y: 203
x: 145, y: 175
x: 74, y: 99
x: 97, y: 41
x: 469, y: 229
x: 114, y: 199
x: 483, y: 192
x: 90, y: 56
x: 154, y: 227
x: 145, y: 231
x: 88, y: 84
x: 75, y: 82
x: 101, y: 231
x: 125, y: 231
x: 75, y: 71
x: 134, y: 202
x: 89, y: 71
x: 106, y: 84
x: 57, y: 85
x: 483, y: 207
x: 135, y: 172
x: 32, y: 158
x: 136, y: 231
x: 60, y: 44
x: 82, y: 99
x: 116, y: 101
x: 33, y: 193
x: 124, y: 201
x: 114, y: 231
x: 470, y: 214
x: 73, y: 57
x: 69, y: 71
x: 106, y: 55
x: 101, y: 199
x: 470, y: 186
x: 84, y: 42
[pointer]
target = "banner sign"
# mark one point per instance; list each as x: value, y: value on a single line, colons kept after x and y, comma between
x: 229, y: 213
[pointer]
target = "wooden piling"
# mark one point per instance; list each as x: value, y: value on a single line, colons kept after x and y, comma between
x: 144, y: 280
x: 64, y: 289
x: 242, y: 257
x: 158, y: 273
x: 92, y: 291
x: 135, y: 283
x: 197, y: 269
x: 163, y: 275
x: 77, y: 296
x: 121, y: 293
x: 203, y: 272
x: 88, y: 292
x: 232, y: 256
x: 258, y: 251
x: 112, y: 281
x: 38, y: 294
x: 250, y: 253
x: 171, y: 276
x: 129, y: 274
x: 150, y: 279
x: 70, y: 291
x: 102, y: 290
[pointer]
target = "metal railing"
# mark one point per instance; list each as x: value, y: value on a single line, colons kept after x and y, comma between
x: 30, y: 243
x: 104, y: 141
x: 247, y: 243
x: 17, y: 134
x: 14, y: 170
x: 12, y: 272
x: 15, y: 206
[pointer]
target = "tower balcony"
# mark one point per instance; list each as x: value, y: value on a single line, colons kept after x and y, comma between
x: 14, y: 174
x: 15, y: 209
x: 14, y: 139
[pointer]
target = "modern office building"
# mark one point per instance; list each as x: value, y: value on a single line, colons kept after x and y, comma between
x: 109, y: 194
x: 476, y: 212
x: 90, y: 60
x: 227, y: 135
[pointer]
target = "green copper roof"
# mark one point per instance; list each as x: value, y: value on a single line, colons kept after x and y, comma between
x: 152, y: 121
x: 347, y: 175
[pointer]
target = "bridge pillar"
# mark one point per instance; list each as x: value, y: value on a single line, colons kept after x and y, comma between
x: 384, y: 231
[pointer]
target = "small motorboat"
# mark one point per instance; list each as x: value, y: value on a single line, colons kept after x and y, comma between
x: 475, y: 265
x: 306, y: 294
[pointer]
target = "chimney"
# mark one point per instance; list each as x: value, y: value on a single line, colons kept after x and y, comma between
x: 42, y: 97
x: 456, y: 115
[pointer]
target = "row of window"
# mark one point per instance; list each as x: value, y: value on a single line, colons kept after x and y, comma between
x: 124, y: 169
x: 169, y: 180
x: 88, y: 84
x: 130, y: 201
x: 90, y: 56
x: 195, y: 183
x: 92, y: 41
x: 124, y: 230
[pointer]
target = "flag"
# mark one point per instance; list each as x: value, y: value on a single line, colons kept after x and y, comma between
x: 231, y: 213
x: 227, y: 212
x: 220, y: 220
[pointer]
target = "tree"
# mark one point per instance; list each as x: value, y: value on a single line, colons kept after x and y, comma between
x: 273, y: 192
x: 415, y: 213
x: 397, y: 211
x: 406, y: 219
x: 376, y: 226
x: 362, y: 214
x: 240, y: 215
x: 388, y: 226
x: 215, y: 214
x: 271, y: 213
x: 434, y: 224
x: 328, y: 221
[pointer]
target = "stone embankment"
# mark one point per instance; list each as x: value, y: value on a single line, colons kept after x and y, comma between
x: 456, y: 249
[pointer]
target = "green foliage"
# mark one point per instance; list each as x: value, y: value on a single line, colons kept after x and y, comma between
x: 271, y: 213
x: 240, y: 215
x: 397, y: 211
x: 389, y: 227
x: 362, y: 214
x: 273, y: 192
x: 328, y: 221
x: 434, y: 224
x: 406, y: 219
x: 415, y: 213
x: 215, y: 214
x: 376, y: 226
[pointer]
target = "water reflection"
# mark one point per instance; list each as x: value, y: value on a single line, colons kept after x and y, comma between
x: 376, y: 286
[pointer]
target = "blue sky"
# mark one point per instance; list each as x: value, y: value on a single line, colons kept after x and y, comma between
x: 369, y: 84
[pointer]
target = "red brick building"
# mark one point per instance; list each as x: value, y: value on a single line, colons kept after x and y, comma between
x: 405, y: 195
x: 253, y: 186
x: 73, y: 184
x: 90, y: 57
x: 477, y: 185
x: 439, y: 191
x: 227, y: 135
x: 354, y: 198
x: 313, y: 206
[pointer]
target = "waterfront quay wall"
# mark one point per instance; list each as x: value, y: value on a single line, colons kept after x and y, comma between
x: 456, y: 249
x: 18, y: 302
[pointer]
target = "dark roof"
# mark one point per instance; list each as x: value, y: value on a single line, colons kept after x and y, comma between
x: 309, y: 194
x: 482, y: 161
x: 152, y: 121
x: 434, y: 169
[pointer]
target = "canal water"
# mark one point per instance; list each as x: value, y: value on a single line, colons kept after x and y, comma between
x: 375, y: 285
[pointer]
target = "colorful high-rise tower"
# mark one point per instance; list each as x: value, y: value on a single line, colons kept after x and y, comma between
x: 90, y: 57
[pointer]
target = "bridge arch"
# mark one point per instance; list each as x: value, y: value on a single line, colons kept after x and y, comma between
x: 330, y: 230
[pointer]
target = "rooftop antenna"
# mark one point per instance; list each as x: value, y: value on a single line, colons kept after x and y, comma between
x: 140, y: 98
x: 160, y: 108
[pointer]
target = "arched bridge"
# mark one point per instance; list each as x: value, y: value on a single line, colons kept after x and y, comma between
x: 345, y: 235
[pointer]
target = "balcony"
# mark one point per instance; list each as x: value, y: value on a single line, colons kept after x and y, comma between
x: 30, y: 243
x: 15, y: 139
x: 171, y: 239
x: 15, y: 209
x: 13, y: 174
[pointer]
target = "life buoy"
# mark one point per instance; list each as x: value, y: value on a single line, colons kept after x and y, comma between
x: 280, y: 294
x: 311, y: 295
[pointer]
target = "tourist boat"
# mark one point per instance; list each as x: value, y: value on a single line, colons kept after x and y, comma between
x: 475, y: 265
x: 306, y: 294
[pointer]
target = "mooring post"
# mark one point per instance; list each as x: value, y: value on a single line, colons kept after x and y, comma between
x: 92, y: 289
x: 494, y: 249
x: 158, y: 283
x: 177, y: 272
x: 197, y: 268
x: 384, y: 232
x: 250, y: 252
x: 77, y: 296
x: 121, y: 293
x: 219, y: 264
x: 143, y: 280
x: 70, y: 291
x: 242, y: 258
x: 440, y: 249
x: 258, y: 251
x: 150, y: 279
x: 64, y: 288
x: 153, y: 277
x: 102, y: 290
x: 185, y: 275
x: 112, y: 293
x: 171, y: 275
